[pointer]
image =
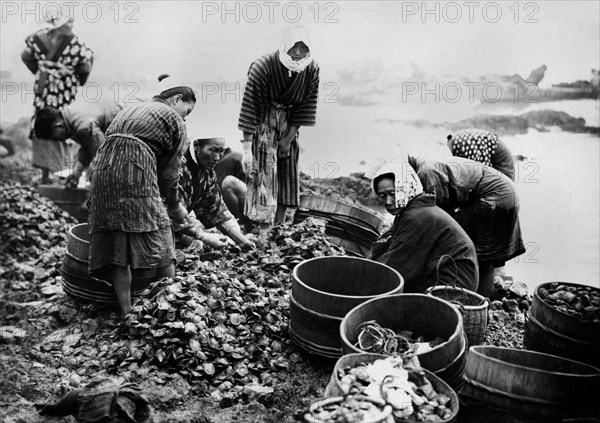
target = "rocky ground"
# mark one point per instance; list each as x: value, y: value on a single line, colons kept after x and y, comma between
x: 210, y: 347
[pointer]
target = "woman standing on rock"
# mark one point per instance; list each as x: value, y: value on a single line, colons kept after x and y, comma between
x: 484, y: 202
x: 280, y: 96
x: 134, y: 170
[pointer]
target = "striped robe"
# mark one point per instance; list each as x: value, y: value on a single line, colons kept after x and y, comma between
x: 136, y: 166
x: 273, y: 101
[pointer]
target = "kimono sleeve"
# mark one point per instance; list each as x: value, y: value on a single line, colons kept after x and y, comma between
x: 436, y: 181
x: 85, y: 138
x: 305, y: 112
x: 255, y: 93
x: 169, y: 164
x: 28, y: 56
x: 86, y: 62
x: 402, y: 253
x: 211, y: 210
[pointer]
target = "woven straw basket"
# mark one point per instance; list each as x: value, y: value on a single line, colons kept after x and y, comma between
x: 472, y: 306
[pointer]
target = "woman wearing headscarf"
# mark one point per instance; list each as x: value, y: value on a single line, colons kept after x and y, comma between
x: 200, y: 193
x: 484, y: 202
x: 425, y: 245
x: 61, y: 63
x: 280, y: 97
x: 483, y: 147
x: 134, y: 172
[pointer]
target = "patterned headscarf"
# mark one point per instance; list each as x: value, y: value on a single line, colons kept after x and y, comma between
x: 474, y: 144
x: 406, y: 182
x: 295, y: 34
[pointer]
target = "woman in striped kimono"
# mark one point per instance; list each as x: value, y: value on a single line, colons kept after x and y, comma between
x: 134, y: 170
x: 279, y: 97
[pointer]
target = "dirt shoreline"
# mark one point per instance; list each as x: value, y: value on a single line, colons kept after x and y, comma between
x: 47, y: 338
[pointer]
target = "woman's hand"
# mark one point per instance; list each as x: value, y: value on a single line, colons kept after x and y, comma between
x: 177, y: 212
x: 212, y: 240
x: 247, y: 245
x: 248, y: 159
x: 73, y: 179
x: 283, y: 149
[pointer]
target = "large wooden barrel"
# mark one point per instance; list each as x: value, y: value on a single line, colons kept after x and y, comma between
x: 350, y: 227
x: 73, y: 201
x: 533, y: 384
x: 552, y: 331
x: 425, y: 315
x: 353, y: 360
x: 342, y: 211
x: 324, y: 289
x: 78, y: 283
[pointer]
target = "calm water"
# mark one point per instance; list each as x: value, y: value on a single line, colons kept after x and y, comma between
x: 560, y: 218
x: 558, y: 183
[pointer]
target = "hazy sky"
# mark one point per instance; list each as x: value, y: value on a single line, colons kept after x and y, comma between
x: 215, y: 41
x: 366, y: 50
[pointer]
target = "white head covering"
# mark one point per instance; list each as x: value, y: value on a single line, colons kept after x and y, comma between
x: 168, y: 83
x: 295, y: 34
x: 406, y: 182
x: 57, y: 16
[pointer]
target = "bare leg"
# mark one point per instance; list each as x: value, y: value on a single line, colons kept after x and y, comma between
x: 166, y: 272
x: 486, y: 278
x: 121, y: 279
x: 234, y: 194
x: 280, y: 214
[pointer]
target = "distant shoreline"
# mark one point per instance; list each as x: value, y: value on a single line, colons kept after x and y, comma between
x: 541, y: 120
